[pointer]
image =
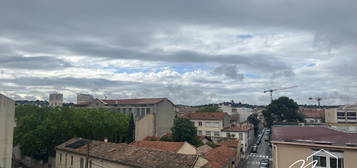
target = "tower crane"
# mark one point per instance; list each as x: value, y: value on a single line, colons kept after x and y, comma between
x: 318, y: 99
x: 273, y: 90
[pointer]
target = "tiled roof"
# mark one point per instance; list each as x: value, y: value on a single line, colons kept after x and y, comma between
x: 206, y: 115
x: 313, y: 134
x: 239, y: 128
x: 151, y: 138
x: 203, y: 149
x: 134, y: 101
x: 220, y: 156
x: 160, y: 145
x: 230, y: 143
x: 312, y: 113
x: 132, y: 155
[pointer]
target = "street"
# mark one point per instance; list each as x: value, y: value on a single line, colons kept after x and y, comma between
x: 263, y: 152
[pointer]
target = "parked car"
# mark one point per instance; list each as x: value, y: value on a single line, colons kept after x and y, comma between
x: 264, y: 163
x: 254, y: 149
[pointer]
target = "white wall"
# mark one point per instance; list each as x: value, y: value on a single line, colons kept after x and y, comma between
x: 7, y: 124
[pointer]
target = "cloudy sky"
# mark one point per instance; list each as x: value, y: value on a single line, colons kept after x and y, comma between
x: 191, y: 51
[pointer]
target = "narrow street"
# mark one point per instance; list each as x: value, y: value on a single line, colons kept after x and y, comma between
x: 263, y: 152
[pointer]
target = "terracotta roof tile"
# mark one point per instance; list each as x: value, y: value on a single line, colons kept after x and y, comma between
x: 230, y: 143
x: 160, y: 145
x: 312, y: 113
x: 239, y: 128
x: 131, y: 155
x: 317, y: 134
x: 206, y: 115
x: 204, y: 149
x: 134, y: 101
x: 219, y: 157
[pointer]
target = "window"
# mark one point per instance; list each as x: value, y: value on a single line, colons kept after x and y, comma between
x: 124, y: 110
x: 321, y: 161
x: 216, y: 133
x: 72, y: 160
x: 208, y: 133
x: 81, y: 164
x: 129, y: 110
x: 334, y: 164
x: 90, y: 164
x: 147, y: 110
x: 142, y: 112
x: 200, y: 123
x: 65, y: 160
x: 241, y: 136
x: 199, y: 132
x: 212, y: 124
x: 60, y: 158
x: 351, y: 115
x: 341, y: 115
x: 228, y: 134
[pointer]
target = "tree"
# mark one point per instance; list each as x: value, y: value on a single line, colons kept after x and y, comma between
x: 131, y: 130
x: 185, y: 130
x: 282, y: 109
x: 40, y: 129
x: 253, y: 119
x: 210, y: 109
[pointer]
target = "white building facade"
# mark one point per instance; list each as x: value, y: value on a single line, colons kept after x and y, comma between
x: 231, y: 109
x: 7, y: 124
x: 243, y: 132
x: 56, y: 100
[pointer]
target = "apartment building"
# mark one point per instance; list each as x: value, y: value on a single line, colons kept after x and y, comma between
x: 343, y: 114
x: 300, y: 146
x: 242, y: 132
x: 79, y: 153
x: 56, y: 100
x: 313, y: 115
x: 7, y: 124
x: 209, y: 123
x: 153, y: 116
x: 233, y: 109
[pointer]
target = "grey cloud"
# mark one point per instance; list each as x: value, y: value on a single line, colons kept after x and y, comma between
x: 230, y: 71
x: 35, y: 62
x: 89, y: 83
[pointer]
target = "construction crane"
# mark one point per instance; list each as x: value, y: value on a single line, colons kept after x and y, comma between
x: 318, y: 99
x: 273, y: 90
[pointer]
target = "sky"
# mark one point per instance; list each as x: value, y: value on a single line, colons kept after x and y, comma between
x: 190, y: 51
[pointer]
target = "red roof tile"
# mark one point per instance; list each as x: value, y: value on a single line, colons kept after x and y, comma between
x: 134, y: 101
x: 160, y: 145
x: 206, y: 115
x: 220, y: 156
x: 151, y: 138
x: 313, y: 113
x: 239, y: 128
x: 230, y: 143
x: 317, y: 134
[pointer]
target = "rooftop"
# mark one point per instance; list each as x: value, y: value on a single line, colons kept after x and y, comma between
x: 317, y: 135
x: 206, y: 115
x: 230, y: 143
x: 239, y: 128
x: 134, y: 101
x: 220, y: 156
x: 129, y: 154
x: 160, y: 145
x: 312, y: 112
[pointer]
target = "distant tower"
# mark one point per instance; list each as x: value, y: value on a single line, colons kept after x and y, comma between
x: 84, y: 98
x: 56, y: 100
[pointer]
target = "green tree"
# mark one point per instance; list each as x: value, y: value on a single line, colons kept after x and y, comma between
x: 185, y: 130
x: 282, y: 109
x: 210, y: 109
x: 253, y: 119
x: 131, y: 130
x: 40, y: 129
